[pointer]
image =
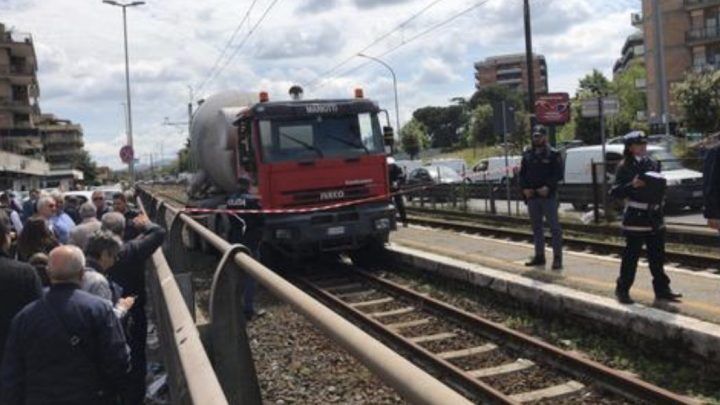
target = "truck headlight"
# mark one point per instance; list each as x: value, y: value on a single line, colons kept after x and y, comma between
x: 382, y: 224
x: 283, y: 234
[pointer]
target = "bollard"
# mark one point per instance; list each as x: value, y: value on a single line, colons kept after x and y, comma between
x: 229, y: 347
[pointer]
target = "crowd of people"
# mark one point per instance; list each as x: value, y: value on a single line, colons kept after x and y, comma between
x: 73, y: 325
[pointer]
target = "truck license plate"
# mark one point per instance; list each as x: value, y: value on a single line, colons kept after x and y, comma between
x: 336, y: 230
x: 698, y: 193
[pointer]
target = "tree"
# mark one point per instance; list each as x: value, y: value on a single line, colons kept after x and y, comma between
x: 443, y: 124
x: 495, y: 94
x: 413, y: 138
x: 631, y: 100
x: 85, y: 164
x: 699, y: 98
x: 184, y: 164
x: 481, y: 126
x: 593, y: 84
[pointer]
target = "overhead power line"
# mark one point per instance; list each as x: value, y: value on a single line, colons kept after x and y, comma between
x: 374, y: 42
x: 227, y: 45
x: 410, y: 40
x: 242, y: 43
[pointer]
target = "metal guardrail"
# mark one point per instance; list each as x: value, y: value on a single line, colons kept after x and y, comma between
x: 227, y: 341
x: 190, y: 374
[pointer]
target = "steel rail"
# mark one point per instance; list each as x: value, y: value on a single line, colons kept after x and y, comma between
x: 444, y: 367
x: 699, y: 235
x: 410, y: 381
x: 694, y: 260
x: 611, y: 379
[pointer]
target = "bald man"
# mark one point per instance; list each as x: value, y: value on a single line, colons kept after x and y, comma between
x: 67, y: 347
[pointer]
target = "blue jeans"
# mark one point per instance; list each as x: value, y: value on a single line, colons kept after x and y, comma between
x: 547, y: 208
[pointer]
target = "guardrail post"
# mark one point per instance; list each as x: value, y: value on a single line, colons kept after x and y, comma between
x: 174, y: 247
x: 229, y: 346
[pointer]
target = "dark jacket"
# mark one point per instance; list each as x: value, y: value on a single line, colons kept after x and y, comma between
x: 636, y: 220
x: 131, y: 232
x: 19, y: 286
x: 711, y: 183
x: 28, y: 209
x: 245, y: 228
x: 541, y: 167
x: 129, y: 269
x: 43, y: 366
x: 396, y: 175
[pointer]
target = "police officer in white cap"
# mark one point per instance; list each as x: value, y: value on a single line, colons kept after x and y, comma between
x: 639, y: 183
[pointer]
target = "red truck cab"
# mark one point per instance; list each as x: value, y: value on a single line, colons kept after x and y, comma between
x: 319, y: 171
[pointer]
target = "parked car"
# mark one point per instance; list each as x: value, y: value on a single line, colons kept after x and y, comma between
x: 684, y: 185
x: 458, y: 165
x: 492, y: 169
x: 432, y: 176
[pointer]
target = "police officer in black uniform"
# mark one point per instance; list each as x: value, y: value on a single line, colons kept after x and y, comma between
x: 638, y: 182
x: 711, y: 187
x: 540, y: 171
x: 246, y: 229
x: 397, y: 179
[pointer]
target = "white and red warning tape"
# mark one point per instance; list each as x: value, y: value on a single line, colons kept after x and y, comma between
x: 304, y: 210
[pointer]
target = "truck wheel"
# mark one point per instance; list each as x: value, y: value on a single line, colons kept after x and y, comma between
x: 579, y: 206
x: 370, y: 255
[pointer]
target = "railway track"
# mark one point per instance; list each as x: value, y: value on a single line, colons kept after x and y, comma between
x: 485, y: 361
x: 690, y: 260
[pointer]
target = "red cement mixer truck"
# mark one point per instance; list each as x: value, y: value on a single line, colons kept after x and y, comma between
x: 318, y: 169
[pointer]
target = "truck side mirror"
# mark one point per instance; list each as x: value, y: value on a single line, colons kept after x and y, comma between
x: 388, y: 136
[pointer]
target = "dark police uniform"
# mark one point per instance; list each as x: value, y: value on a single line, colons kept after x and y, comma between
x: 543, y: 167
x: 246, y: 229
x: 711, y: 183
x: 397, y: 179
x: 642, y: 222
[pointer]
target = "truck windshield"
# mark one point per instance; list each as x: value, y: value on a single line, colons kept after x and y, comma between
x: 668, y: 160
x: 321, y: 136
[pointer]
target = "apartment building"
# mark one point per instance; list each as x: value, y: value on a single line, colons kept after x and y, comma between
x: 511, y: 71
x: 633, y: 52
x: 691, y: 42
x: 18, y: 94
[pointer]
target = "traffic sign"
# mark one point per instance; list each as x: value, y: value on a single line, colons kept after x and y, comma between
x: 553, y: 108
x: 591, y: 107
x: 127, y: 154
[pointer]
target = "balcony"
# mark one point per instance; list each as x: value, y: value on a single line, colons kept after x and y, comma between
x: 17, y: 106
x: 703, y: 35
x: 706, y: 67
x: 696, y: 4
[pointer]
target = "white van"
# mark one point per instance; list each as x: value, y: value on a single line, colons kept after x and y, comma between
x: 492, y: 169
x: 684, y: 185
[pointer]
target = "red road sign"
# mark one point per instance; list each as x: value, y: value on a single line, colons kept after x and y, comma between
x: 127, y: 154
x: 552, y: 108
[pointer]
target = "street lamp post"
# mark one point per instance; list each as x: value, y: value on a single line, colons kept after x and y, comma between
x: 124, y: 6
x: 397, y: 108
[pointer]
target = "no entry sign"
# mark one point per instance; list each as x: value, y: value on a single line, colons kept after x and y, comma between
x: 553, y: 108
x: 127, y: 154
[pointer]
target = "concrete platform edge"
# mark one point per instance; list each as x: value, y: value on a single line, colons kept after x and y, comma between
x: 700, y: 337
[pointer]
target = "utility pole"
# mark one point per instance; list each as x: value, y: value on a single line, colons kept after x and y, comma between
x: 660, y: 65
x: 124, y: 6
x: 395, y: 87
x: 530, y: 62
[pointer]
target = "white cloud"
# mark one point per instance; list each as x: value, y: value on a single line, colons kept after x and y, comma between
x: 174, y: 44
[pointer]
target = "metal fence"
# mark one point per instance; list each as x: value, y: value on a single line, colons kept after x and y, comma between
x: 226, y: 343
x: 587, y: 201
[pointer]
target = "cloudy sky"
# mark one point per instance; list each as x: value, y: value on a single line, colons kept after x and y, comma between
x: 177, y: 43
